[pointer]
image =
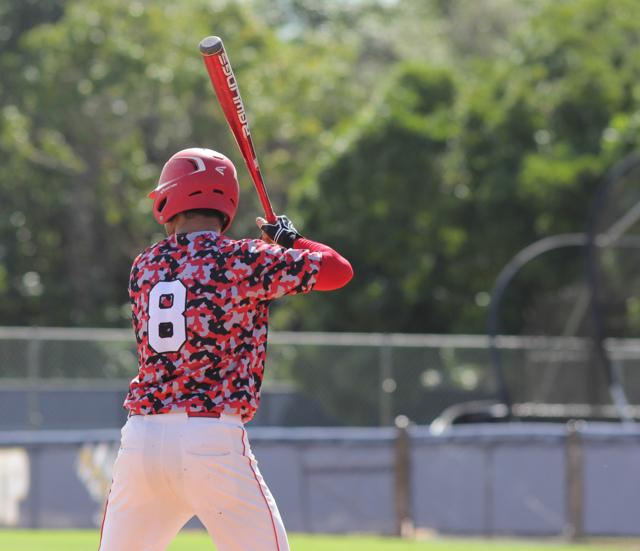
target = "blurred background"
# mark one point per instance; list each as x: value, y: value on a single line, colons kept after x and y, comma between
x: 474, y: 159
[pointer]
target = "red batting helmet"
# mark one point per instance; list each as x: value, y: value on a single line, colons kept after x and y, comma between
x: 196, y: 178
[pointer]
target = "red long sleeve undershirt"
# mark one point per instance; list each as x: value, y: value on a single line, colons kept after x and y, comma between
x: 335, y: 271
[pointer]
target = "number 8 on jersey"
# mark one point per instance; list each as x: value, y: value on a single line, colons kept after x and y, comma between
x: 167, y: 323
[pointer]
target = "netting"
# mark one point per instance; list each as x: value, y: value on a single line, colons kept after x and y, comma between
x: 584, y: 288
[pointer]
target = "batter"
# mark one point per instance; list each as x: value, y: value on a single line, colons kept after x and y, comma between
x: 200, y: 305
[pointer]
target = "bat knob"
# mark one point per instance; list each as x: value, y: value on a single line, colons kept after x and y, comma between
x: 211, y: 45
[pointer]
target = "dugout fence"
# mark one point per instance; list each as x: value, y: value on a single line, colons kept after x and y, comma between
x: 524, y: 479
x: 371, y: 463
x: 49, y: 375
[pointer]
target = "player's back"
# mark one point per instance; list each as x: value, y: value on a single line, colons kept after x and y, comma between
x: 200, y: 311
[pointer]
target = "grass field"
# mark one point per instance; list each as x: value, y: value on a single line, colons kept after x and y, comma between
x: 14, y: 540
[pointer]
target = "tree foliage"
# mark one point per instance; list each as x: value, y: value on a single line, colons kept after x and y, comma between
x: 381, y: 202
x: 431, y: 199
x: 427, y: 140
x: 94, y: 102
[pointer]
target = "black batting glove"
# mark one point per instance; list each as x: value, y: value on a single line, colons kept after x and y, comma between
x: 281, y: 231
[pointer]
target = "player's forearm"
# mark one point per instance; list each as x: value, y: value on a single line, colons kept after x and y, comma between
x: 335, y: 271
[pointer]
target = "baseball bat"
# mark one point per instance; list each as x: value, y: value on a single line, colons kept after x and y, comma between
x: 226, y: 88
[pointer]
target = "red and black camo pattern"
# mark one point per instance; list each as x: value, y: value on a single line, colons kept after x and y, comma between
x: 230, y: 284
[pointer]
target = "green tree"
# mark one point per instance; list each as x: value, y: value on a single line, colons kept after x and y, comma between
x: 381, y: 202
x: 539, y: 133
x: 429, y: 190
x: 95, y: 101
x: 431, y: 203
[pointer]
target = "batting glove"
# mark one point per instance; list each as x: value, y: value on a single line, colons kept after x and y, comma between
x: 281, y: 231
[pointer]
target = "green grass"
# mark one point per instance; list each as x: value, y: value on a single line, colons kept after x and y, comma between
x: 84, y: 540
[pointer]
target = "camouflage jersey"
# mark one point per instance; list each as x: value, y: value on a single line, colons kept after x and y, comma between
x: 200, y: 305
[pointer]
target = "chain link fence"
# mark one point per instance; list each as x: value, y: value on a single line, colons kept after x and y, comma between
x: 346, y: 379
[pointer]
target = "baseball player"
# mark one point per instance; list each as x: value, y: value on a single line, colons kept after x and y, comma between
x: 200, y: 305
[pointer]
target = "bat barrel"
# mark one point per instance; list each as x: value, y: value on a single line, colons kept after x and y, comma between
x: 211, y: 45
x: 226, y: 88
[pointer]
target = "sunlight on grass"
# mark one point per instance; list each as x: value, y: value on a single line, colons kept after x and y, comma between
x: 87, y: 540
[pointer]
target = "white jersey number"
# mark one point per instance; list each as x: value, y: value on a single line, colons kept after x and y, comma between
x: 167, y: 324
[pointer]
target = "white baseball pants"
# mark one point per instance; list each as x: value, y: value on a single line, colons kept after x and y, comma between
x: 171, y: 467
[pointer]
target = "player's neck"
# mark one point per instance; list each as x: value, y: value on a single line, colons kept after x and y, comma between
x: 191, y: 225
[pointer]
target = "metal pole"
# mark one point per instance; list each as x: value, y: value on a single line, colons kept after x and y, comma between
x: 404, y: 520
x: 387, y: 383
x: 34, y: 417
x: 34, y: 496
x: 575, y: 481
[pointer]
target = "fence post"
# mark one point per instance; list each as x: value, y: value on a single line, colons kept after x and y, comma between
x: 34, y: 417
x: 387, y: 383
x: 404, y: 521
x: 575, y: 481
x: 34, y: 496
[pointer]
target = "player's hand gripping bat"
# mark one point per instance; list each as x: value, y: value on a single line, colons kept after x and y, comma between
x: 226, y: 87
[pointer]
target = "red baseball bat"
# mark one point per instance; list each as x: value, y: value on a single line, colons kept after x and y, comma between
x: 226, y: 87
